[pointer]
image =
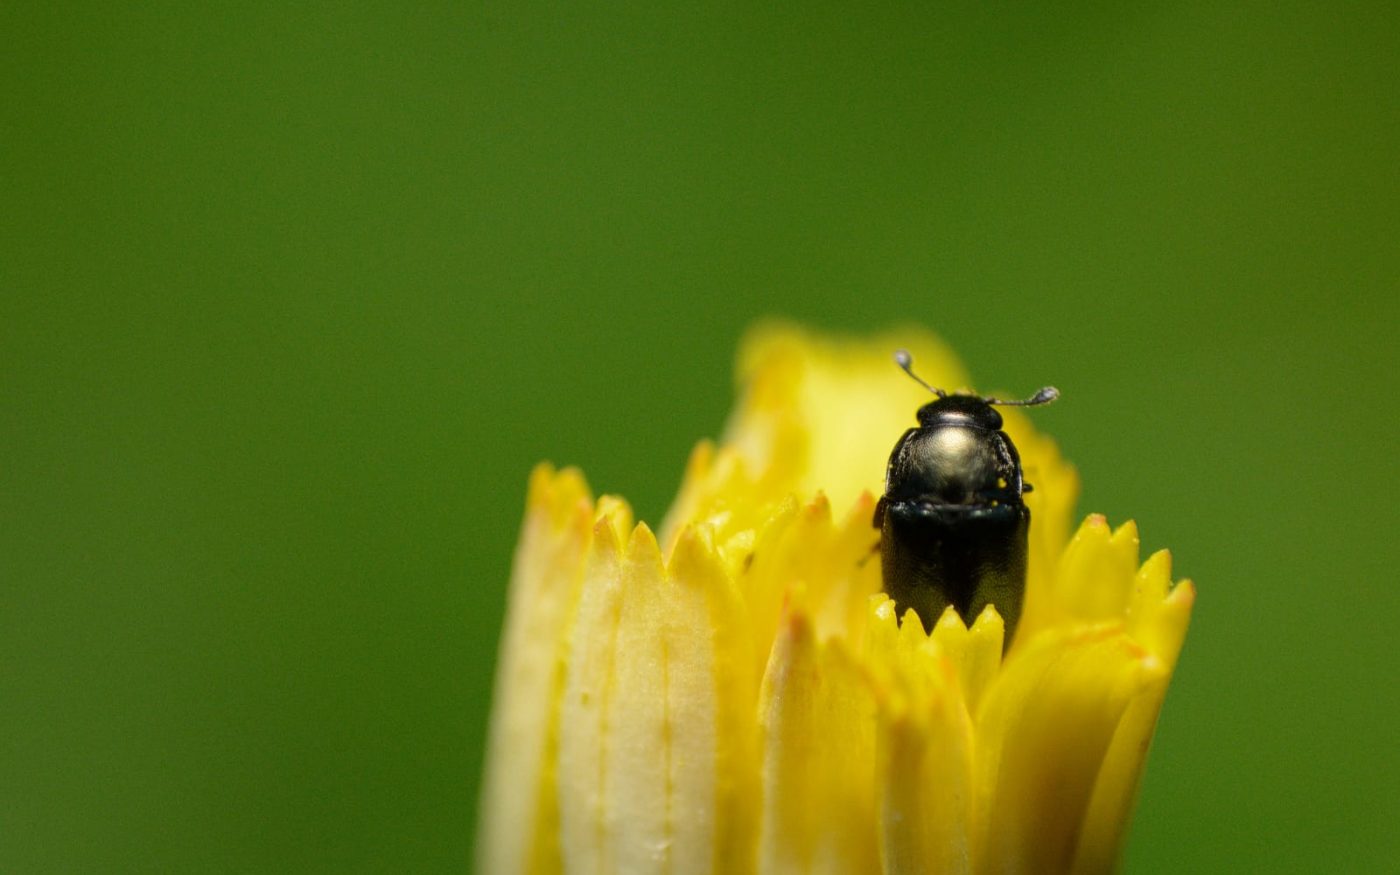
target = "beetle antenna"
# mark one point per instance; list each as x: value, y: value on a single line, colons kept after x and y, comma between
x: 906, y: 361
x: 1044, y: 396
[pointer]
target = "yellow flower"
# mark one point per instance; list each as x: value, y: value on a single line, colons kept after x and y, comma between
x: 733, y: 694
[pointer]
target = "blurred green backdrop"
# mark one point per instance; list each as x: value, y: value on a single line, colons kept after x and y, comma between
x: 293, y: 299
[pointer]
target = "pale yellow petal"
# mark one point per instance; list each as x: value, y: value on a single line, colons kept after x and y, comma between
x: 519, y: 817
x: 658, y: 758
x: 1043, y: 732
x: 818, y: 758
x: 588, y: 710
x: 638, y: 772
x: 713, y: 648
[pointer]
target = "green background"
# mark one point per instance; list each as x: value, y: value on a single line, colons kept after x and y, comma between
x: 292, y: 301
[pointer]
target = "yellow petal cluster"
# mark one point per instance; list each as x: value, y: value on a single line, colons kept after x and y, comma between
x: 736, y: 696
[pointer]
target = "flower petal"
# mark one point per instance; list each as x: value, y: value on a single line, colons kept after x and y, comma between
x: 1158, y: 619
x: 975, y: 653
x: 712, y: 648
x: 587, y: 827
x: 1093, y: 582
x: 518, y: 809
x: 818, y: 755
x: 923, y: 742
x: 659, y: 761
x: 1043, y: 733
x: 835, y: 564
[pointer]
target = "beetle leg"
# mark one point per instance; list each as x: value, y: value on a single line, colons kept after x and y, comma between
x: 874, y: 551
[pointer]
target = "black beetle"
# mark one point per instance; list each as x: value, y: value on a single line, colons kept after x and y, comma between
x: 953, y: 525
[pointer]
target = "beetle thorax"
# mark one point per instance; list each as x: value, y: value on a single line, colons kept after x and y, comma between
x: 950, y: 465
